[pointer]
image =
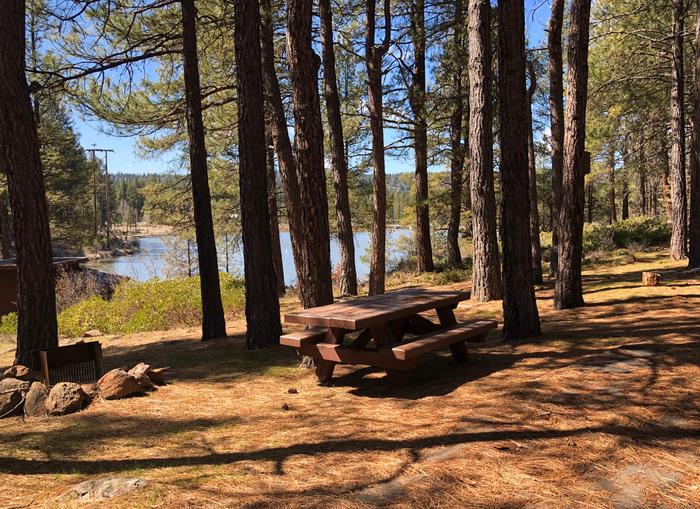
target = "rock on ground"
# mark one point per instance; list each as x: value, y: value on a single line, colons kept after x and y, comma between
x: 12, y: 393
x: 65, y: 398
x: 117, y: 384
x: 20, y: 373
x: 141, y: 373
x: 35, y: 400
x: 155, y: 375
x: 103, y: 489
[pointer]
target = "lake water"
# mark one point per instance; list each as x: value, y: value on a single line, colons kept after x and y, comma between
x: 152, y: 258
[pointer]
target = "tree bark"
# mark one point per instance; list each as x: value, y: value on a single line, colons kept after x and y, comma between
x: 262, y: 310
x: 454, y: 256
x: 589, y: 194
x: 568, y: 292
x: 315, y: 262
x: 536, y: 247
x: 348, y: 271
x: 612, y: 213
x: 36, y: 299
x: 5, y: 231
x: 694, y: 222
x: 273, y: 213
x: 679, y: 212
x: 373, y: 61
x: 556, y: 107
x: 309, y: 290
x: 416, y: 95
x: 643, y: 182
x: 520, y: 315
x: 213, y: 322
x: 486, y: 272
x: 280, y: 137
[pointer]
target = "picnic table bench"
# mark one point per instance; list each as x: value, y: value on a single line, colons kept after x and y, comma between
x: 386, y: 331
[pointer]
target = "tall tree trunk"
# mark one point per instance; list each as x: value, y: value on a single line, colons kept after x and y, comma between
x: 285, y: 157
x: 589, y: 194
x: 694, y: 222
x: 536, y: 247
x: 655, y: 198
x: 373, y: 60
x: 454, y: 256
x: 612, y: 215
x: 262, y: 309
x: 348, y: 272
x: 520, y: 315
x: 315, y: 261
x: 213, y: 322
x: 486, y: 270
x: 274, y: 217
x: 568, y: 292
x: 36, y: 299
x: 679, y: 212
x: 5, y: 231
x: 625, y: 211
x: 556, y: 108
x: 416, y: 94
x: 643, y: 183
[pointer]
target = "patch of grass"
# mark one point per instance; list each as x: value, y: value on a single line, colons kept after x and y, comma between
x: 140, y: 307
x: 8, y: 327
x: 151, y: 305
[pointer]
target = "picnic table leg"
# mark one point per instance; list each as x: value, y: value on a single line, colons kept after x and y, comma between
x: 459, y: 350
x: 383, y: 336
x: 323, y: 368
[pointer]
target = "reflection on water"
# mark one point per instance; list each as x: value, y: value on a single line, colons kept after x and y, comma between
x: 152, y: 258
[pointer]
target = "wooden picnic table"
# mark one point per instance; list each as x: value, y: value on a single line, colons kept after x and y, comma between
x: 385, y: 331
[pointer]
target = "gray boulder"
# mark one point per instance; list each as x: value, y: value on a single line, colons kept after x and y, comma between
x: 12, y: 392
x: 96, y: 490
x: 35, y: 400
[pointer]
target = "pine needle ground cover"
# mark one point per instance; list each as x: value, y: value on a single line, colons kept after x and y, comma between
x: 600, y: 412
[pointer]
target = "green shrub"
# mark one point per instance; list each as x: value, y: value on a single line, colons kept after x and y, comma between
x: 635, y: 232
x: 151, y: 305
x: 8, y: 325
x: 141, y: 306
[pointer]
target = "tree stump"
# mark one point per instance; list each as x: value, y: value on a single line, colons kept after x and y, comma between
x: 651, y: 278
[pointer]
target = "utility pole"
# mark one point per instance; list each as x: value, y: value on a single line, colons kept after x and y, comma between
x: 105, y: 151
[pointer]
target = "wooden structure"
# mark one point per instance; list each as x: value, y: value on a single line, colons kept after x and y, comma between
x: 8, y: 280
x: 386, y: 331
x: 78, y: 363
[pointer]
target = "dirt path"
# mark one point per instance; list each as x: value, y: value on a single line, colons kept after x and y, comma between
x: 601, y: 412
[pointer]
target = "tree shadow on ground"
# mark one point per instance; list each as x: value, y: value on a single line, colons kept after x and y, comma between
x: 437, y: 375
x: 649, y: 435
x: 217, y: 360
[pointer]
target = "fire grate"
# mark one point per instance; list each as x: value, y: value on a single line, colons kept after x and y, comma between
x: 78, y: 363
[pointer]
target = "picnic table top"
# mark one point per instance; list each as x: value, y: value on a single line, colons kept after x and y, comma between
x: 368, y: 311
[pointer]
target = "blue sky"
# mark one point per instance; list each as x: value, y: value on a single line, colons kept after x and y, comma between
x: 126, y: 160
